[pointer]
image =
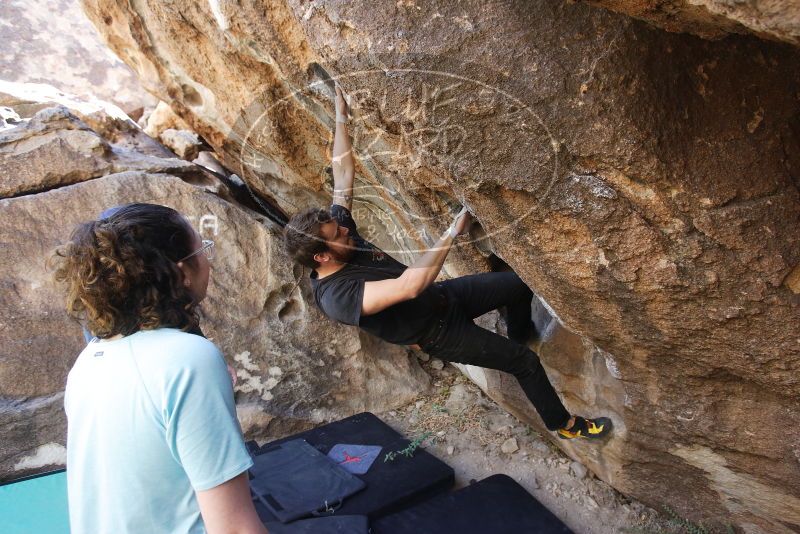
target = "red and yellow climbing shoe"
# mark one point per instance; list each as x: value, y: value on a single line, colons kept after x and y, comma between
x: 587, y: 428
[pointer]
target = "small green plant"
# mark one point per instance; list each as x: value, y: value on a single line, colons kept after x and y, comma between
x: 438, y: 408
x: 677, y: 524
x: 687, y: 525
x: 409, y: 451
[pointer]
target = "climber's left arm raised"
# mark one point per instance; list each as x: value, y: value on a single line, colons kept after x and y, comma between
x: 343, y: 165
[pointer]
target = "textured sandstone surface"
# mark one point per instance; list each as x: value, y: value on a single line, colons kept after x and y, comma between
x: 55, y: 148
x: 644, y: 184
x: 184, y: 143
x: 294, y: 368
x: 105, y: 118
x: 714, y: 19
x: 161, y: 118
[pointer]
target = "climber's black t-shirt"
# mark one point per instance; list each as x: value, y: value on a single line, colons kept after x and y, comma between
x: 341, y: 294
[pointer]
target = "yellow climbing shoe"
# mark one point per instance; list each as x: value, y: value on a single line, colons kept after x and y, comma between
x: 587, y: 428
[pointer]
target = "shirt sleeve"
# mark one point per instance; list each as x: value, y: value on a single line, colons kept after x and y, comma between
x: 202, y: 430
x: 344, y: 218
x: 342, y: 301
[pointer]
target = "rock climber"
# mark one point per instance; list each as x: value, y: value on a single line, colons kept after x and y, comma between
x: 356, y: 283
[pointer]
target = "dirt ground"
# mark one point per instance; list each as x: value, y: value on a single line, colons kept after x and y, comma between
x: 470, y: 432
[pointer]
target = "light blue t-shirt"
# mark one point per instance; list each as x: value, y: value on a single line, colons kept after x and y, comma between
x: 151, y: 419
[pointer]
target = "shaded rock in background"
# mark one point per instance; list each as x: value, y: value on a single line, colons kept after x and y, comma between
x: 103, y: 117
x: 714, y: 19
x: 207, y: 160
x: 644, y: 184
x: 51, y: 41
x: 184, y: 143
x: 55, y: 148
x: 35, y: 155
x: 162, y: 118
x: 8, y: 117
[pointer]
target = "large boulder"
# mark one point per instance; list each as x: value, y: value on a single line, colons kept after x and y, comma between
x: 56, y: 148
x: 162, y: 118
x: 184, y: 143
x: 106, y: 119
x: 644, y: 184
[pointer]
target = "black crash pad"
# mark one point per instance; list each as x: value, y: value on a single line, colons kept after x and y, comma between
x: 336, y: 524
x: 391, y: 486
x: 294, y: 480
x: 496, y: 504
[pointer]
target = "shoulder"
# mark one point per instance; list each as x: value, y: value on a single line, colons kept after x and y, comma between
x: 340, y: 299
x: 338, y: 284
x: 173, y: 349
x: 175, y: 339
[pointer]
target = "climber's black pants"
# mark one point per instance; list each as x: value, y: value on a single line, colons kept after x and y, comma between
x: 460, y: 340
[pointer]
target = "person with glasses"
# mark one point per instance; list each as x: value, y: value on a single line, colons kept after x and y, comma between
x: 356, y: 283
x: 153, y: 442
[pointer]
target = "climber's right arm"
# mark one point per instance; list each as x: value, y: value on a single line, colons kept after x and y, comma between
x: 343, y: 164
x: 381, y: 294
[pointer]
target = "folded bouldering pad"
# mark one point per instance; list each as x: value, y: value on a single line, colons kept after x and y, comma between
x: 294, y: 480
x: 390, y: 486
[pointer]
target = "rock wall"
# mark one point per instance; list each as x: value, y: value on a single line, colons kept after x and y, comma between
x: 295, y: 369
x: 644, y: 184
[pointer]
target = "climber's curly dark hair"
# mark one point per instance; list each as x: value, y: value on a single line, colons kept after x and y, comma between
x: 121, y: 275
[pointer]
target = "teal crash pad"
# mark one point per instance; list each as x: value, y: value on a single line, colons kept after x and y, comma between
x: 35, y: 505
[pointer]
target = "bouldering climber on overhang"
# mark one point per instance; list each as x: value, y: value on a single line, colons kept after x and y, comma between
x: 356, y: 283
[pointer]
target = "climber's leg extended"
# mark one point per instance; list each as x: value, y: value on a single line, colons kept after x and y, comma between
x: 482, y: 293
x: 462, y: 341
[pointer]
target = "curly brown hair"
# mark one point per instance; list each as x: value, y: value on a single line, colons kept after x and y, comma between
x: 121, y: 275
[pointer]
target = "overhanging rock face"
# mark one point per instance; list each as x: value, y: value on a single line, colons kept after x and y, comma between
x: 644, y: 184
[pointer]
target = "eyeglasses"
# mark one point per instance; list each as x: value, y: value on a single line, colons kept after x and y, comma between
x: 207, y: 247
